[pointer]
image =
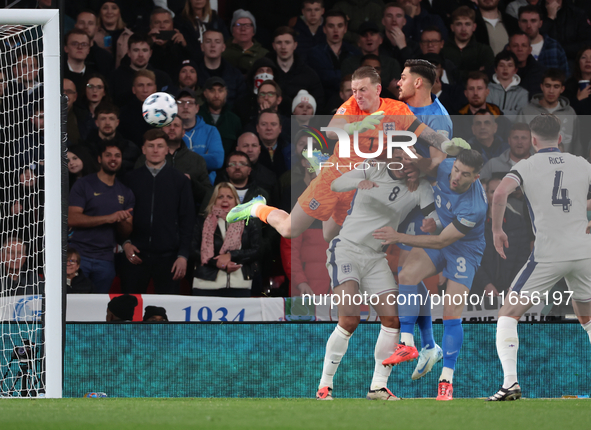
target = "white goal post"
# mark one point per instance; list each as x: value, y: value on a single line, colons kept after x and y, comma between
x: 49, y: 20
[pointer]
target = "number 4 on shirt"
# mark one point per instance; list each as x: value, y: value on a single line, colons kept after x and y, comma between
x: 560, y: 195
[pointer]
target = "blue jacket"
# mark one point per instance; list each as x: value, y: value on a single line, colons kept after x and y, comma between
x: 205, y: 140
x: 553, y: 56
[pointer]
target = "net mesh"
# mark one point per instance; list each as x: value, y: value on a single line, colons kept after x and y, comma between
x: 21, y: 211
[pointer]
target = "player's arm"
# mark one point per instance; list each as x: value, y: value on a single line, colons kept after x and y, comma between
x: 499, y: 203
x: 337, y: 121
x: 76, y: 218
x: 440, y: 142
x: 349, y: 181
x: 449, y: 235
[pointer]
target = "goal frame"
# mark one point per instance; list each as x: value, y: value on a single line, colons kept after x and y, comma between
x: 49, y: 20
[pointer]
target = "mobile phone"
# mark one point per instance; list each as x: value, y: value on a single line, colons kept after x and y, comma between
x: 165, y: 35
x: 107, y: 41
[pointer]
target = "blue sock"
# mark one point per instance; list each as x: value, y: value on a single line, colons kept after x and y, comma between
x: 424, y: 320
x: 409, y: 311
x: 453, y: 336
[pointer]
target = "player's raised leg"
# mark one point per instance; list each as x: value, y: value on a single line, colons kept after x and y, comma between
x: 385, y: 346
x: 417, y: 267
x: 338, y: 342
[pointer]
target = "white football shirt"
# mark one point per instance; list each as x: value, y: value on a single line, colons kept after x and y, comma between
x: 555, y: 185
x: 386, y: 205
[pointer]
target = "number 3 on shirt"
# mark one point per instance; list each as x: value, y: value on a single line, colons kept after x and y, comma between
x: 560, y: 195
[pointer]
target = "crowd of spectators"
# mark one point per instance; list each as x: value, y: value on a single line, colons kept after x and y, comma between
x: 146, y: 206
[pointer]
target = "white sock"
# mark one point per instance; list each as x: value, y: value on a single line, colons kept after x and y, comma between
x: 385, y: 346
x: 587, y: 328
x: 407, y: 339
x: 253, y: 210
x: 447, y: 374
x: 335, y: 349
x: 507, y: 346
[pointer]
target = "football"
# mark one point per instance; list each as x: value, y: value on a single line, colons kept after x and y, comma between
x: 159, y: 109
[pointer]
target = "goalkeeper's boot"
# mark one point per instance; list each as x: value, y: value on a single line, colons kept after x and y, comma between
x: 316, y: 159
x: 381, y: 394
x: 444, y: 391
x: 242, y: 212
x: 325, y: 393
x: 511, y: 393
x: 427, y: 359
x: 403, y: 353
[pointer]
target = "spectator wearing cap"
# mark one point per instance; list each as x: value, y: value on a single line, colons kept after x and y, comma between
x: 213, y: 65
x: 189, y: 78
x: 132, y: 125
x: 201, y: 138
x: 418, y: 19
x: 396, y: 45
x: 243, y: 50
x: 309, y: 26
x: 293, y: 74
x: 216, y: 112
x: 164, y: 214
x: 370, y: 40
x: 184, y: 160
x: 139, y: 53
x: 99, y: 59
x: 327, y: 59
x: 121, y: 308
x: 169, y: 46
x: 303, y: 107
x: 155, y: 314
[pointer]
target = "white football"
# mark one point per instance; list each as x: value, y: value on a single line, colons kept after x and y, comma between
x: 159, y: 109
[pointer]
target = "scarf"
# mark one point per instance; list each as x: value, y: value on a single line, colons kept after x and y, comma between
x: 233, y: 238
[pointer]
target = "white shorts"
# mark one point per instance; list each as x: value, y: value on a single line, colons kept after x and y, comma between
x: 541, y: 277
x: 349, y: 262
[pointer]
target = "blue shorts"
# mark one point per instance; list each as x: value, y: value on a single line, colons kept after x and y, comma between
x: 454, y: 266
x: 411, y: 225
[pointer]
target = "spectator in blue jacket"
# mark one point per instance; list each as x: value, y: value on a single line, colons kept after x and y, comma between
x: 200, y: 137
x: 326, y: 59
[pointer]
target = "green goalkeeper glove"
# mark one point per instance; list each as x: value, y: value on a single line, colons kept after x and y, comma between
x: 368, y: 123
x: 455, y: 146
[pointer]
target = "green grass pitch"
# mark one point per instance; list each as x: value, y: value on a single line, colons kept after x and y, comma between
x: 229, y: 414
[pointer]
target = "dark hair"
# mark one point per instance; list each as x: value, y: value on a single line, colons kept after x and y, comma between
x: 546, y: 126
x: 422, y: 68
x: 506, y: 56
x: 335, y: 13
x: 370, y: 57
x: 285, y: 30
x: 367, y: 72
x: 577, y: 73
x: 155, y: 133
x: 432, y: 28
x: 268, y: 110
x: 240, y: 154
x: 312, y: 2
x: 106, y: 107
x: 138, y: 38
x: 471, y: 158
x: 463, y: 12
x: 158, y: 10
x: 114, y: 143
x: 393, y: 4
x: 520, y: 126
x: 518, y: 32
x: 89, y: 163
x: 477, y: 76
x: 73, y: 251
x: 274, y: 84
x: 107, y: 98
x: 484, y: 112
x: 555, y: 75
x: 530, y: 8
x: 76, y: 31
x: 345, y: 78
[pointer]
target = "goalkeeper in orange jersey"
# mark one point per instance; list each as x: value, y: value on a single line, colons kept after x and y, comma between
x: 363, y: 113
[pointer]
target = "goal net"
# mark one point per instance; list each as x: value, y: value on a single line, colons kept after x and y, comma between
x: 30, y: 205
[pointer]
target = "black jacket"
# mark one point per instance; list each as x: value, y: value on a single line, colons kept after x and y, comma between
x: 164, y: 213
x: 247, y: 255
x: 531, y: 76
x: 129, y: 150
x: 80, y: 284
x: 570, y: 28
x: 122, y: 81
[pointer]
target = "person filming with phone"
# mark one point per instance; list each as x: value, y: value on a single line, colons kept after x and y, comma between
x: 169, y: 47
